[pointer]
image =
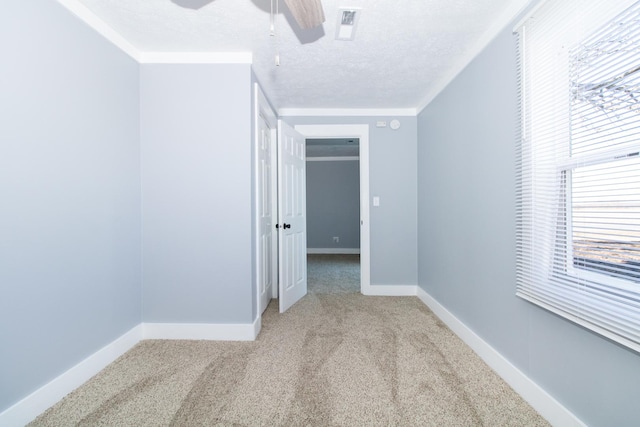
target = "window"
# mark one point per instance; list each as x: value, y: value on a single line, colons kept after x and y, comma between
x: 579, y: 164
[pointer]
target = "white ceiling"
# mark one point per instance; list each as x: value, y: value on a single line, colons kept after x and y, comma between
x: 404, y: 51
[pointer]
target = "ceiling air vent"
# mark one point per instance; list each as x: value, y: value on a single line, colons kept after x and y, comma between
x: 347, y: 23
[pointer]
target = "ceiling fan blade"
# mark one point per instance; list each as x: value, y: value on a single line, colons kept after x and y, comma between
x: 307, y: 13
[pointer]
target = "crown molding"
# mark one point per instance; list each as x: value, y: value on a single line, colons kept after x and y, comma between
x: 93, y: 21
x: 196, y: 58
x: 346, y: 112
x: 514, y: 8
x: 97, y: 24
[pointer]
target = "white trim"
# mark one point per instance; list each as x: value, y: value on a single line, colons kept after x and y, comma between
x: 196, y: 58
x: 40, y: 400
x: 390, y: 290
x: 552, y: 410
x: 27, y: 409
x: 201, y: 331
x: 257, y: 327
x: 97, y: 24
x: 514, y: 8
x: 346, y: 112
x: 333, y: 159
x: 102, y: 28
x: 360, y: 131
x: 337, y: 251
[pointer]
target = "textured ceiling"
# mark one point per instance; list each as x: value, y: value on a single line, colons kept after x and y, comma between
x: 403, y: 53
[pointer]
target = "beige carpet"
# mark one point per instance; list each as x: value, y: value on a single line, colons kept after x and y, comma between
x: 334, y: 359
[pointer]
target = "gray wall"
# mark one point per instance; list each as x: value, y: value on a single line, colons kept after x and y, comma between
x: 69, y: 195
x: 333, y: 204
x: 466, y: 228
x: 197, y: 187
x: 392, y: 177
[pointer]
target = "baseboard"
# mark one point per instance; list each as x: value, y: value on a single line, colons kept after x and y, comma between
x: 389, y: 290
x: 337, y: 251
x: 46, y: 396
x: 536, y: 396
x: 40, y: 400
x: 257, y: 327
x: 201, y: 331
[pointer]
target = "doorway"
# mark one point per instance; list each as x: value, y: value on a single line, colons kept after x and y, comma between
x: 333, y: 215
x: 358, y: 132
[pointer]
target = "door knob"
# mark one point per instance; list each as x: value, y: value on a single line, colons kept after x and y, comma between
x: 285, y: 225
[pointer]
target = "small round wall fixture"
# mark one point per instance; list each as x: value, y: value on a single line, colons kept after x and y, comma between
x: 395, y: 124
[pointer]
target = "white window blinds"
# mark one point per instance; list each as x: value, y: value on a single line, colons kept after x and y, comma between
x: 579, y: 164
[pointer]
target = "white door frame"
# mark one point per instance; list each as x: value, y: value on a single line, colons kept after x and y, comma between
x: 263, y: 109
x: 360, y: 131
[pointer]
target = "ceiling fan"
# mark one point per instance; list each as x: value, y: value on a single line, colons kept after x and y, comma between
x: 307, y: 13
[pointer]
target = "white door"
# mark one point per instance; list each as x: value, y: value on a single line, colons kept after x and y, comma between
x: 267, y: 268
x: 292, y: 216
